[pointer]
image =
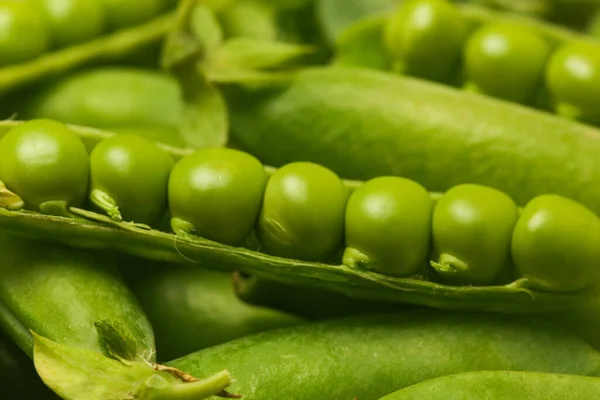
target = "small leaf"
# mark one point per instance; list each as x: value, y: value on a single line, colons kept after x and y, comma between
x: 246, y: 77
x: 248, y: 53
x: 195, y: 34
x: 205, y: 120
x: 76, y: 373
x: 361, y: 45
x: 115, y: 340
x: 335, y: 16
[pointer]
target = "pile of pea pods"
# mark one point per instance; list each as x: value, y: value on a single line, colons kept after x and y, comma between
x: 299, y: 199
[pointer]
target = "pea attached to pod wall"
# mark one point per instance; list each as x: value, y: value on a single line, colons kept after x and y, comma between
x: 129, y: 178
x: 388, y: 225
x: 573, y: 80
x: 303, y: 212
x: 44, y: 163
x: 217, y: 194
x: 506, y: 61
x: 425, y: 38
x: 472, y: 230
x: 555, y: 244
x: 23, y: 32
x: 73, y: 21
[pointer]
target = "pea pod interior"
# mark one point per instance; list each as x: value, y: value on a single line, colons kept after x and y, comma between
x: 83, y: 228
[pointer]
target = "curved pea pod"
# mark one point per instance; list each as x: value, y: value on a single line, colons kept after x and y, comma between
x: 362, y: 124
x: 122, y: 99
x: 305, y: 302
x: 472, y: 230
x: 193, y: 309
x: 82, y: 228
x: 502, y: 385
x: 67, y: 296
x: 18, y: 377
x: 375, y: 355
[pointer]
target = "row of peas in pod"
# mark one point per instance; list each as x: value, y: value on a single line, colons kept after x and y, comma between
x: 29, y: 28
x: 502, y: 58
x: 470, y: 235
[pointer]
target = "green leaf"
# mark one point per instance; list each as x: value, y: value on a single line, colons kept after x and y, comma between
x: 195, y: 34
x: 76, y: 374
x: 249, y: 53
x: 116, y: 341
x: 335, y: 16
x: 205, y: 121
x: 361, y: 45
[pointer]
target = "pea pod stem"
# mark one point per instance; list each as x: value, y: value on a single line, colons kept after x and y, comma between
x: 214, y: 385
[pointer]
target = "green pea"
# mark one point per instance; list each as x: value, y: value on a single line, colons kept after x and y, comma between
x: 425, y: 38
x: 506, y: 61
x: 23, y: 32
x: 388, y: 224
x: 472, y: 230
x: 129, y: 178
x: 303, y: 212
x: 555, y: 244
x: 44, y: 161
x: 122, y: 14
x: 217, y: 194
x: 74, y: 21
x: 573, y: 80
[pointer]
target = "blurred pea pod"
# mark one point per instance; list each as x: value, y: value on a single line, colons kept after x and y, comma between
x: 192, y: 309
x: 120, y: 99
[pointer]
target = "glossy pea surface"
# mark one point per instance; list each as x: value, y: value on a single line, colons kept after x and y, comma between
x: 74, y: 21
x: 388, y: 225
x: 506, y: 61
x: 23, y: 31
x: 472, y: 230
x: 573, y: 80
x: 555, y: 244
x: 217, y: 193
x: 425, y: 37
x: 122, y: 14
x: 303, y: 212
x: 43, y: 160
x: 129, y: 178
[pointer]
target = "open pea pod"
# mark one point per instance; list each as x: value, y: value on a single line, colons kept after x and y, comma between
x: 87, y: 229
x: 112, y: 46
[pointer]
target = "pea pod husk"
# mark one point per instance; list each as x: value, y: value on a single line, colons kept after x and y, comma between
x: 435, y: 135
x: 193, y: 308
x: 367, y: 357
x: 88, y: 230
x: 64, y: 294
x: 502, y: 385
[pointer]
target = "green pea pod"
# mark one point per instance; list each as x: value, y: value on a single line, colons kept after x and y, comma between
x: 368, y: 357
x: 306, y: 302
x: 363, y: 124
x: 502, y: 385
x: 86, y: 229
x: 193, y: 309
x: 122, y: 99
x: 63, y: 294
x: 18, y: 377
